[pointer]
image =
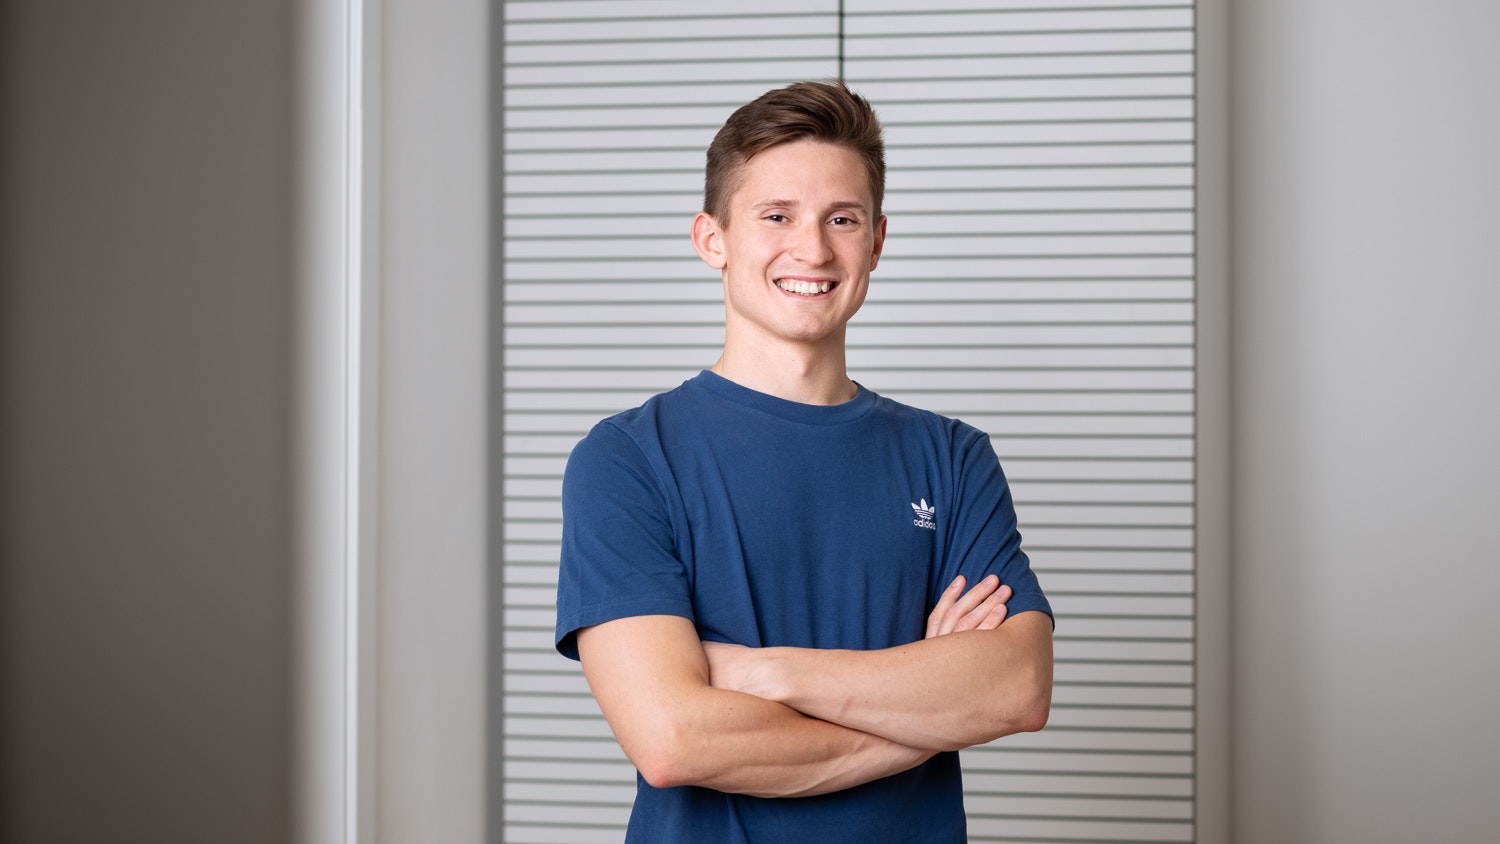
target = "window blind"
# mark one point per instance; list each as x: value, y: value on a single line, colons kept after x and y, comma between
x: 1038, y: 282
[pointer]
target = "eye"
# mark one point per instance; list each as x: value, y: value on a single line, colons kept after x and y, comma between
x: 844, y: 221
x: 776, y: 218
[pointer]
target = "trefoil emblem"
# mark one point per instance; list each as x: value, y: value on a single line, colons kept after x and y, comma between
x: 924, y: 515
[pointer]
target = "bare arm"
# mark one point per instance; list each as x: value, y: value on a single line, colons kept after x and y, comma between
x: 951, y: 690
x: 650, y: 676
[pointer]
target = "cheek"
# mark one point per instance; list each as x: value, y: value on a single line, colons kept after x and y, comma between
x: 858, y: 297
x: 860, y: 256
x: 751, y: 253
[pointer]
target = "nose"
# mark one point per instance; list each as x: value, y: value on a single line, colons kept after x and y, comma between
x: 810, y: 246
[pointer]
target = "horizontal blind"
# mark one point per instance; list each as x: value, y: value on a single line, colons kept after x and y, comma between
x: 1038, y: 283
x: 609, y: 107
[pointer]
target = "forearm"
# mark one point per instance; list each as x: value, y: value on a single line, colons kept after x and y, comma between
x: 742, y: 744
x: 942, y: 693
x: 650, y: 677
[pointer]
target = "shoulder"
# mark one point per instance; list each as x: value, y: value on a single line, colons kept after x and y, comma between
x: 642, y: 422
x: 636, y: 439
x: 956, y: 435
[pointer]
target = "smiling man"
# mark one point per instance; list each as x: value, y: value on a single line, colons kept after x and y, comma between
x: 795, y: 599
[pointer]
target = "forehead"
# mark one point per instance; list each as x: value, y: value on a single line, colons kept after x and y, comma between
x: 807, y: 171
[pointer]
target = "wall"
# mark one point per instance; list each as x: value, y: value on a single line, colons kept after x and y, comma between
x: 178, y: 519
x: 1367, y: 381
x: 432, y: 407
x: 144, y: 382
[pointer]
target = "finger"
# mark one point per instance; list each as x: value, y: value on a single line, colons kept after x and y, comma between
x: 996, y: 616
x: 982, y: 591
x: 997, y: 610
x: 944, y: 605
x: 983, y: 617
x: 972, y: 600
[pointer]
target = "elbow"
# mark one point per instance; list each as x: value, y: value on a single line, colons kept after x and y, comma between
x: 1034, y: 706
x: 661, y: 772
x: 1022, y: 711
x: 665, y: 770
x: 1033, y: 714
x: 664, y: 760
x: 1022, y: 716
x: 1030, y: 706
x: 1019, y: 703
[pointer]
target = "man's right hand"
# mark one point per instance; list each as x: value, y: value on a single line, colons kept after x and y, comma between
x: 981, y: 608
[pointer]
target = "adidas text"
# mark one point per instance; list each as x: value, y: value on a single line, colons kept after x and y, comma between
x: 925, y: 514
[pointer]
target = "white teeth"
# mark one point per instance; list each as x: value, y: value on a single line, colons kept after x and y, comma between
x: 805, y: 288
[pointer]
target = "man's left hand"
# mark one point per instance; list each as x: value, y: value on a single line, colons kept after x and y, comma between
x: 981, y: 608
x: 753, y: 670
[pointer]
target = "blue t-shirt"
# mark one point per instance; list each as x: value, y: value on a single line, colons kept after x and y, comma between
x: 768, y: 522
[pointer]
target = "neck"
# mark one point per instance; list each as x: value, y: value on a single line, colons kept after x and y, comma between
x: 808, y: 376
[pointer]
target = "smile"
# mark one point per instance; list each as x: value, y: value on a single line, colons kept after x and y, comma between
x: 806, y: 288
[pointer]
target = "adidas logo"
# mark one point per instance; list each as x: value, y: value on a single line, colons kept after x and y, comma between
x: 925, y: 514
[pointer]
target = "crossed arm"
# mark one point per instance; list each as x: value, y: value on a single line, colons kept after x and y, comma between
x: 781, y: 722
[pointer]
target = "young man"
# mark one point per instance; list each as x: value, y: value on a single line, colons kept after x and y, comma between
x: 765, y: 570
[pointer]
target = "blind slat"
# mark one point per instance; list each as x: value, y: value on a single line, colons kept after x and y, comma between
x: 1039, y: 284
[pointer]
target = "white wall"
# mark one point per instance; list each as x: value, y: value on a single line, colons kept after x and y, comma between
x: 1366, y: 386
x: 432, y: 405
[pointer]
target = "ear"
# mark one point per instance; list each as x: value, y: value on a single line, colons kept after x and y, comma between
x: 708, y: 240
x: 879, y: 242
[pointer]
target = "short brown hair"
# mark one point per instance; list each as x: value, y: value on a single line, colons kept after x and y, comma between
x: 824, y: 111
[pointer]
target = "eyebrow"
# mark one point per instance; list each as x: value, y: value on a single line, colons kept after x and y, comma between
x: 792, y: 203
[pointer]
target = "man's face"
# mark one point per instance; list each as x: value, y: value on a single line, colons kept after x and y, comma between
x: 797, y: 246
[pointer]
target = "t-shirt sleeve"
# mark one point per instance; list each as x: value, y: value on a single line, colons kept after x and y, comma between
x: 618, y: 554
x: 986, y: 538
